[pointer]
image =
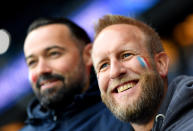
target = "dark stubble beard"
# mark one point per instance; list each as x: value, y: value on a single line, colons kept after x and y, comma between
x: 142, y: 110
x: 60, y: 96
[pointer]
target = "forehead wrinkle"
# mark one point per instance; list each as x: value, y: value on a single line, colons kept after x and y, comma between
x: 125, y: 31
x: 113, y: 52
x: 54, y: 46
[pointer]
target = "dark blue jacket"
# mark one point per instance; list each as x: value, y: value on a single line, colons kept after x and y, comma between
x: 86, y: 113
x: 176, y: 112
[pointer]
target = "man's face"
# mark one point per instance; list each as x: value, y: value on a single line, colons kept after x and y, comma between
x: 131, y: 90
x: 56, y: 68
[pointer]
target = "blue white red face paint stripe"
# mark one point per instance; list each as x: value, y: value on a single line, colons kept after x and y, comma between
x: 143, y: 62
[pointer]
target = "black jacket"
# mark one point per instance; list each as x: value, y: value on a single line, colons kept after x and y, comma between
x: 176, y: 112
x: 86, y: 113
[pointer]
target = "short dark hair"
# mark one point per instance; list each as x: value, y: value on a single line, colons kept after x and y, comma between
x: 77, y: 31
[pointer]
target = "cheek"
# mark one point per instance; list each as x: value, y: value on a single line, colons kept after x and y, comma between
x: 62, y: 67
x: 66, y: 64
x: 32, y: 78
x: 134, y: 65
x: 137, y: 64
x: 102, y: 82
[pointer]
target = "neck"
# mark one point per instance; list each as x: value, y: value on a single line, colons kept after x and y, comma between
x: 87, y: 83
x: 145, y: 127
x: 86, y: 87
x: 59, y: 105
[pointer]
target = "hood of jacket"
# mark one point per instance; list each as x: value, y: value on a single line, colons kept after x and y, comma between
x: 177, y: 107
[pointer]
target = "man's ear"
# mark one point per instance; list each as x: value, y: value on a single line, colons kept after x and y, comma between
x: 87, y: 55
x: 162, y: 63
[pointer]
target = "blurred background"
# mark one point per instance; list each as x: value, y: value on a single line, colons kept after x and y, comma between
x: 172, y: 19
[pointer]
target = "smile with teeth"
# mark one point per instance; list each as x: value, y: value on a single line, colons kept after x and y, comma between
x: 125, y: 87
x: 47, y: 82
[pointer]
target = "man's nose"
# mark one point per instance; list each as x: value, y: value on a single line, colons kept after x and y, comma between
x: 43, y: 67
x: 117, y: 69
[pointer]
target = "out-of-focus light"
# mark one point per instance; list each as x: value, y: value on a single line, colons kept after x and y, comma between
x: 93, y: 12
x: 88, y: 15
x: 183, y: 32
x: 4, y: 41
x: 130, y: 7
x: 171, y: 51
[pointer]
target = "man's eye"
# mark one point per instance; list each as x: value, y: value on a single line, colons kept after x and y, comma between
x: 125, y: 55
x: 103, y: 66
x: 31, y: 63
x: 54, y: 54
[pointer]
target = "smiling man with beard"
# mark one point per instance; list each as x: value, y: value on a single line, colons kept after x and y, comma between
x: 57, y: 53
x: 132, y: 68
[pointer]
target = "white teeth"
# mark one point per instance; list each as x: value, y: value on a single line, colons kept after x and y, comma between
x: 48, y: 82
x: 125, y: 87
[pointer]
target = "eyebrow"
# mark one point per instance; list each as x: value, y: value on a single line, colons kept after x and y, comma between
x: 54, y: 47
x: 47, y: 49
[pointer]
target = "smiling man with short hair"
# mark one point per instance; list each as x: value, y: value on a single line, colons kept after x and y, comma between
x: 132, y: 67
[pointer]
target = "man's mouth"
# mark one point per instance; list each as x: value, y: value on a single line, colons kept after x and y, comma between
x: 47, y: 82
x: 126, y: 86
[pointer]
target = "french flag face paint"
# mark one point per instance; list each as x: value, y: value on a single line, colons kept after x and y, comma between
x: 143, y: 62
x: 32, y: 78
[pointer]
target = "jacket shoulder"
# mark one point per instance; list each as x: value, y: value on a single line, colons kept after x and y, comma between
x: 182, y: 80
x: 179, y: 110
